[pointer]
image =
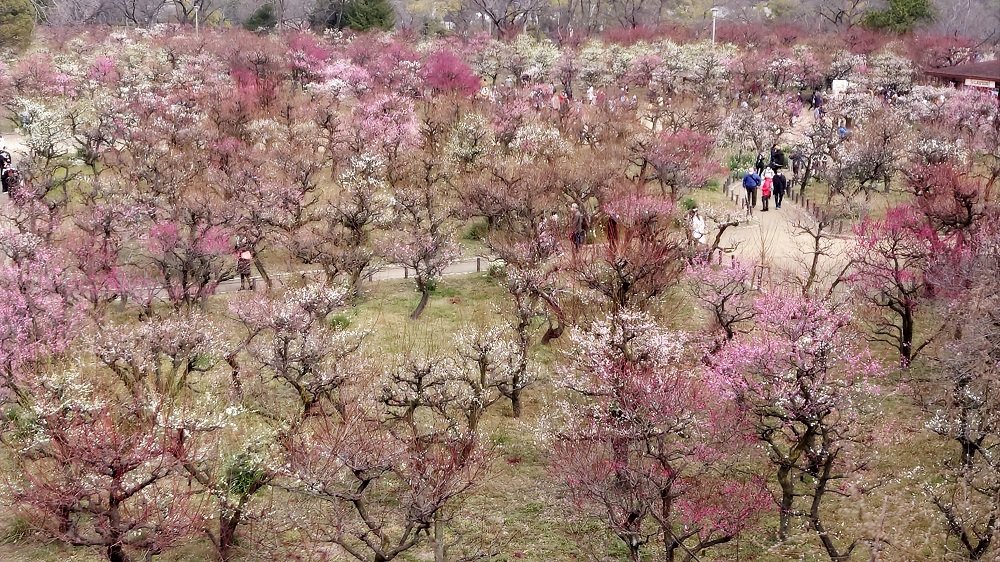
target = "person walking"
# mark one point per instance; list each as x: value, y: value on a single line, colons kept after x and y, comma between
x: 765, y: 189
x: 243, y: 261
x: 578, y: 225
x: 778, y: 158
x: 751, y: 181
x: 5, y: 159
x: 761, y: 164
x: 699, y: 231
x: 10, y: 179
x: 798, y: 161
x: 780, y: 186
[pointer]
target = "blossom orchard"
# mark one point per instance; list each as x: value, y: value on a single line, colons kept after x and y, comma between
x: 127, y: 379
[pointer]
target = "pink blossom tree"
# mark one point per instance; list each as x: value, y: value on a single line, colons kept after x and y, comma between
x: 424, y: 241
x: 342, y: 236
x: 640, y: 451
x: 725, y: 291
x: 802, y: 379
x: 377, y: 490
x: 682, y: 161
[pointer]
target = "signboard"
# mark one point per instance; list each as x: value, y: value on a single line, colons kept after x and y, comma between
x: 980, y: 83
x: 841, y: 86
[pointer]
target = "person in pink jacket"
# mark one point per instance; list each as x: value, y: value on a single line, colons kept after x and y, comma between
x: 765, y: 188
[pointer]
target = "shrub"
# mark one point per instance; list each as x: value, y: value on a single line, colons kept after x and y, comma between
x: 340, y: 322
x: 477, y: 231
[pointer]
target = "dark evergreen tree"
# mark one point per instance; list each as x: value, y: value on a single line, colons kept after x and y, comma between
x: 262, y: 19
x: 901, y: 16
x: 365, y: 15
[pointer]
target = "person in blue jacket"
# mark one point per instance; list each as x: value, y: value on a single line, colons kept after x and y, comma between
x: 751, y: 181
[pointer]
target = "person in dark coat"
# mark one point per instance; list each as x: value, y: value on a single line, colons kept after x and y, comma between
x: 761, y: 164
x: 10, y: 179
x: 5, y: 159
x: 780, y: 186
x: 798, y: 161
x: 778, y: 158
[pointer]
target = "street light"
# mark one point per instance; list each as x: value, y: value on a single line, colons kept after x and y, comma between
x: 715, y: 14
x: 196, y: 8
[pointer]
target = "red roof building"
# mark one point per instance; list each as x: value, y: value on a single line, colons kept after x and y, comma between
x: 974, y: 74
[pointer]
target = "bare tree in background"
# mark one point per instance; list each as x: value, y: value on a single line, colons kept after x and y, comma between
x: 139, y: 13
x: 506, y: 15
x: 970, y: 18
x: 841, y: 14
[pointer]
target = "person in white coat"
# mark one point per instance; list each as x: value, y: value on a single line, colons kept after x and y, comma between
x: 699, y: 230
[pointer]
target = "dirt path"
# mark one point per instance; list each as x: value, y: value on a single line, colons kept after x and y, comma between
x: 775, y: 239
x: 464, y: 266
x: 14, y: 144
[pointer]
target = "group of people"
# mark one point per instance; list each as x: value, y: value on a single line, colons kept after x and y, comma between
x: 10, y: 177
x: 767, y: 176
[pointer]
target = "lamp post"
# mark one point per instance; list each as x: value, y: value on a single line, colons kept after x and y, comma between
x: 197, y: 7
x: 715, y: 14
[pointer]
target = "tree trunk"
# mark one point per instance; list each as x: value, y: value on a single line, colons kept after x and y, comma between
x: 227, y: 534
x: 475, y: 414
x: 906, y: 339
x: 806, y: 176
x: 553, y: 332
x: 354, y: 287
x: 263, y: 272
x: 116, y: 553
x: 822, y: 479
x: 787, y: 496
x: 425, y: 295
x: 515, y: 399
x: 440, y: 550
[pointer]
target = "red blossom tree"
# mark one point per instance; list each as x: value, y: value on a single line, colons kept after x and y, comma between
x: 445, y: 73
x: 890, y: 263
x: 99, y: 472
x: 640, y: 259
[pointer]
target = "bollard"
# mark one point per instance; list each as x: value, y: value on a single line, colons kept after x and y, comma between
x: 406, y: 273
x: 479, y: 266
